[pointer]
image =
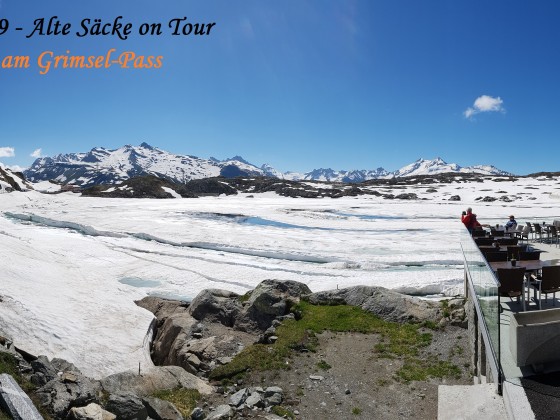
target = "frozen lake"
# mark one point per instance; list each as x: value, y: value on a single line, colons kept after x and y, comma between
x: 73, y: 266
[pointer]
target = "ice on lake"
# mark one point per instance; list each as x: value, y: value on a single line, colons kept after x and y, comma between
x: 73, y: 266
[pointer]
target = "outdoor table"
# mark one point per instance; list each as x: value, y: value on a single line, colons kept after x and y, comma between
x: 529, y: 265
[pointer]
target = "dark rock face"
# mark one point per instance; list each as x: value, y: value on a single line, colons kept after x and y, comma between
x: 407, y: 196
x: 269, y: 300
x: 215, y: 305
x: 455, y: 198
x: 127, y: 406
x: 69, y: 390
x: 161, y: 410
x: 43, y: 370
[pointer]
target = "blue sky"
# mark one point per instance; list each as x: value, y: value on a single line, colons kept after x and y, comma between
x: 353, y: 84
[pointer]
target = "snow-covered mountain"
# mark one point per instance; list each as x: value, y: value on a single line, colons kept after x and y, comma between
x: 104, y: 166
x: 439, y: 166
x: 11, y: 180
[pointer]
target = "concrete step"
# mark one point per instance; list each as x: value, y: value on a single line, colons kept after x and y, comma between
x: 470, y: 402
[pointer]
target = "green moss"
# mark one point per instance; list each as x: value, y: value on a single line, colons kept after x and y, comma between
x: 323, y: 365
x: 420, y: 370
x: 282, y: 412
x: 184, y: 399
x: 356, y: 411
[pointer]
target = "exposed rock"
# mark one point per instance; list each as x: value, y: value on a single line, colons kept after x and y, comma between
x: 157, y: 378
x: 59, y: 396
x: 407, y: 196
x: 270, y: 299
x: 15, y: 401
x: 161, y: 410
x: 162, y: 308
x: 173, y: 334
x: 254, y: 400
x: 127, y: 406
x: 198, y: 414
x: 222, y: 412
x: 216, y: 305
x: 387, y: 304
x: 239, y: 397
x: 455, y: 198
x: 90, y: 412
x: 43, y: 371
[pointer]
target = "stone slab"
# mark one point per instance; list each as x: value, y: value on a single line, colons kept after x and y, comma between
x: 15, y: 401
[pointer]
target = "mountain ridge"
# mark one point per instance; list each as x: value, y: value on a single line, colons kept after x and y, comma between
x: 112, y: 166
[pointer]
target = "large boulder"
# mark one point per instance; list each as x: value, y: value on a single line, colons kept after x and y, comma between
x: 269, y: 300
x: 155, y: 379
x: 68, y: 390
x: 386, y: 304
x: 43, y: 371
x: 216, y: 305
x: 173, y: 333
x: 127, y: 406
x: 161, y: 410
x: 90, y: 412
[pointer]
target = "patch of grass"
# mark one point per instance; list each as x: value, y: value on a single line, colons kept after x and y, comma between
x: 282, y: 412
x: 184, y: 399
x: 356, y: 411
x: 323, y: 365
x: 396, y: 341
x: 445, y: 308
x: 245, y: 297
x: 431, y: 325
x: 420, y: 370
x: 300, y: 392
x: 456, y: 350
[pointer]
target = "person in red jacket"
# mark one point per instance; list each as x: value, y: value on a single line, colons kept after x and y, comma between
x: 467, y: 219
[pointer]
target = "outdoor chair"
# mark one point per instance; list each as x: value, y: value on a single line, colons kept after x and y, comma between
x: 524, y: 234
x: 538, y: 231
x: 513, y: 252
x: 549, y: 282
x: 529, y: 255
x: 478, y: 232
x: 531, y: 230
x: 512, y: 283
x: 484, y: 241
x: 553, y: 234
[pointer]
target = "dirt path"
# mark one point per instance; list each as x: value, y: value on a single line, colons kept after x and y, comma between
x: 358, y: 383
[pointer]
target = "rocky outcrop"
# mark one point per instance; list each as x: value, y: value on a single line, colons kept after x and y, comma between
x: 218, y: 324
x: 385, y: 303
x: 70, y: 389
x: 155, y: 379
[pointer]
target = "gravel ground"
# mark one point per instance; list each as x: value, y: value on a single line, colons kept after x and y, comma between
x: 358, y: 384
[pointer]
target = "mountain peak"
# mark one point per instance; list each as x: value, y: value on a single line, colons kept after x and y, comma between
x: 146, y: 146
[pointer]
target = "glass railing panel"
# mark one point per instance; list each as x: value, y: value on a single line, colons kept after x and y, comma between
x: 485, y: 286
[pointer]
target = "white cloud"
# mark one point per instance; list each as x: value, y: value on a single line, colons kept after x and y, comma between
x: 7, y: 152
x: 485, y: 103
x: 36, y: 153
x: 16, y: 168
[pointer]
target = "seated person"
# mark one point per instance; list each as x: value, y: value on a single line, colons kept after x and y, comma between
x: 511, y: 224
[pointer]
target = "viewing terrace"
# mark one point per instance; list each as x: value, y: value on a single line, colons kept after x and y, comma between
x: 512, y: 280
